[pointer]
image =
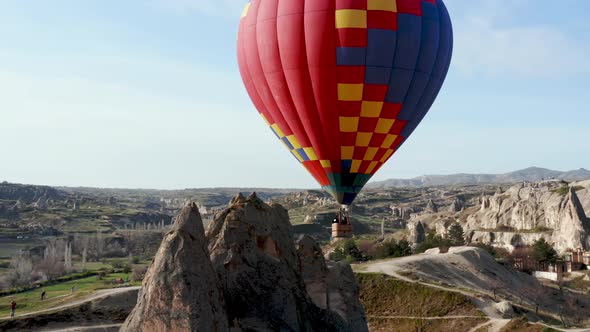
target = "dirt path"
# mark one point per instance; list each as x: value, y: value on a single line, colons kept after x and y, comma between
x: 496, y: 322
x: 94, y: 296
x: 427, y: 318
x: 385, y: 267
x: 95, y: 328
x: 492, y: 325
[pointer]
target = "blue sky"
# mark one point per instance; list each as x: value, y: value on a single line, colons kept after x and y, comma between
x: 147, y: 94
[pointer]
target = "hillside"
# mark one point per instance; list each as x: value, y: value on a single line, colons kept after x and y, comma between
x: 473, y: 271
x: 32, y: 211
x: 395, y: 305
x: 532, y: 174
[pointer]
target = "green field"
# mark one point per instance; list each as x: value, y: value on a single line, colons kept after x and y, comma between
x: 9, y: 247
x: 60, y: 294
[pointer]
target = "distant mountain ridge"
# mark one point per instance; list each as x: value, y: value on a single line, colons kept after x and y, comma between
x: 531, y: 174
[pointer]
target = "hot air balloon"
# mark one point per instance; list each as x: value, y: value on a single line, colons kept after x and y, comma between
x: 344, y: 83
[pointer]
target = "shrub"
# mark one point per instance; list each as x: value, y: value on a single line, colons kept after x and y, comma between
x: 541, y: 229
x: 566, y: 189
x: 117, y: 264
x: 102, y: 273
x: 502, y: 253
x: 139, y: 273
x: 366, y: 246
x: 387, y: 249
x: 397, y: 249
x: 487, y: 247
x: 377, y: 251
x: 433, y: 240
x: 505, y: 228
x: 346, y: 249
x: 337, y: 255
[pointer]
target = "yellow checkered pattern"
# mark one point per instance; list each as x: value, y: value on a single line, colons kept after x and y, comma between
x: 296, y: 146
x: 370, y: 111
x: 357, y: 18
x: 351, y: 18
x: 385, y: 5
x: 369, y: 151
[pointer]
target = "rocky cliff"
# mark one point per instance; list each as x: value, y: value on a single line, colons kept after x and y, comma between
x: 29, y: 193
x: 511, y: 216
x: 247, y: 274
x: 528, y: 211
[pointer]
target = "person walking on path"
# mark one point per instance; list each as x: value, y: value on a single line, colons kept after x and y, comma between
x: 12, y: 309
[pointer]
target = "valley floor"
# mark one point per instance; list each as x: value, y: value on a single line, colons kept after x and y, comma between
x: 394, y: 299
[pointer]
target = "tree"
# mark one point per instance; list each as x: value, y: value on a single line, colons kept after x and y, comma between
x: 84, y: 253
x: 350, y: 248
x: 337, y: 255
x: 456, y: 235
x: 347, y: 250
x: 141, y: 243
x: 432, y: 240
x: 100, y: 244
x: 68, y: 257
x: 543, y: 252
x: 537, y: 294
x: 521, y: 259
x: 398, y: 249
x: 53, y: 263
x: 51, y: 268
x: 495, y: 286
x: 21, y: 270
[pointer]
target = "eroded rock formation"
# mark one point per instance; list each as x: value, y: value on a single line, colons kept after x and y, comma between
x: 330, y: 285
x: 253, y: 251
x: 431, y: 207
x: 417, y: 232
x: 457, y: 205
x: 527, y: 212
x: 246, y: 274
x: 402, y: 212
x: 181, y: 291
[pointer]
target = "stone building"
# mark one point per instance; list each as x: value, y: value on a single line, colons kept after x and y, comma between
x: 577, y: 259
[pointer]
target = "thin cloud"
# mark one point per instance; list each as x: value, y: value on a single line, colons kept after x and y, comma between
x: 490, y: 40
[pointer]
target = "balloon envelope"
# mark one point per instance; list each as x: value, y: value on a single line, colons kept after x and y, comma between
x: 344, y: 83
